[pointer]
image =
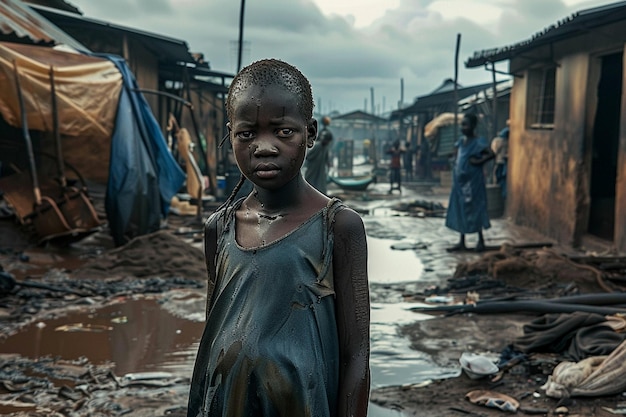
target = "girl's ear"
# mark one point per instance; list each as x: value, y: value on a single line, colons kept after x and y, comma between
x: 311, y: 133
x: 229, y: 126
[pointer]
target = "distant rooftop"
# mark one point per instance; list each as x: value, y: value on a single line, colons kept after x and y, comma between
x: 576, y: 24
x: 19, y: 23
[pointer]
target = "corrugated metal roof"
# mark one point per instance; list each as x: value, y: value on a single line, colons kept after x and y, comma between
x: 578, y: 23
x: 56, y: 4
x: 19, y: 23
x: 164, y: 47
x: 427, y: 101
x: 359, y: 115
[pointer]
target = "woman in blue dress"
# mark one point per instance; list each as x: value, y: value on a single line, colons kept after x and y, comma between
x: 467, y: 208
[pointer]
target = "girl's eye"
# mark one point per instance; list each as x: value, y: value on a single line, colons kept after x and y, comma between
x: 285, y: 132
x: 247, y: 135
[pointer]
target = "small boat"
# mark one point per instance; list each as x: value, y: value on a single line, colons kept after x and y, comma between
x: 359, y: 183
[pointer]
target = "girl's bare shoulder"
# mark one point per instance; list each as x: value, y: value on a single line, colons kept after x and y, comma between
x: 349, y: 223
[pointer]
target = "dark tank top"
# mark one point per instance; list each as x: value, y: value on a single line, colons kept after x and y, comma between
x: 270, y: 344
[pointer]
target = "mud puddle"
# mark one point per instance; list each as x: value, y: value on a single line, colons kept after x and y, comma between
x: 137, y: 335
x: 392, y: 361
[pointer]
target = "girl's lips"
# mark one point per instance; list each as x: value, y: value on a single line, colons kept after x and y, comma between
x: 267, y: 174
x: 266, y: 170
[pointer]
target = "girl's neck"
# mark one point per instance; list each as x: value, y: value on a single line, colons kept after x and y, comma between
x: 269, y: 201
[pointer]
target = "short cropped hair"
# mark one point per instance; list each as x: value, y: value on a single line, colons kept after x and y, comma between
x: 273, y: 72
x: 473, y: 119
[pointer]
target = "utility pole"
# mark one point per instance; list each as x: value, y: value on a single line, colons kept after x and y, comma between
x: 240, y: 50
x: 456, y: 77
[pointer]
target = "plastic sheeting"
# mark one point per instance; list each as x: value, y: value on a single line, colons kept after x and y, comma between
x: 78, y: 80
x: 143, y: 174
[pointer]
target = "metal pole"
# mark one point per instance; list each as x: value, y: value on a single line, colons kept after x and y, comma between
x: 240, y: 51
x: 456, y: 77
x: 56, y: 131
x: 26, y: 133
x: 494, y: 104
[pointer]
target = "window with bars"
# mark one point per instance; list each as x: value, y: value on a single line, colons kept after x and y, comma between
x: 541, y: 98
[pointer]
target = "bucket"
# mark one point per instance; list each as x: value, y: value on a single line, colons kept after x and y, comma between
x: 495, y: 202
x: 221, y: 186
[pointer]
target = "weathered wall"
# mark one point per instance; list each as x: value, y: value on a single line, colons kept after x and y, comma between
x: 549, y: 169
x: 544, y: 163
x: 567, y: 145
x: 145, y: 67
x: 529, y: 162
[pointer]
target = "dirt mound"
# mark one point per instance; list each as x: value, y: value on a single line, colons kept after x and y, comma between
x: 538, y: 269
x: 159, y: 254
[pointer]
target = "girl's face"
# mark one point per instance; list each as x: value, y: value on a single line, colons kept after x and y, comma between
x: 269, y: 135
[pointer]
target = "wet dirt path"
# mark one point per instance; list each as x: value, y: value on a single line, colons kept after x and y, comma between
x: 160, y: 333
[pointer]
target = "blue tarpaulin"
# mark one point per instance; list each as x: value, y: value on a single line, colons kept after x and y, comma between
x: 143, y: 174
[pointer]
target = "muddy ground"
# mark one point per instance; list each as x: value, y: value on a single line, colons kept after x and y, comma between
x: 529, y: 274
x: 169, y: 267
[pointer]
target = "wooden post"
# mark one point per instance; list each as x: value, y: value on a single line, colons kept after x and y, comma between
x: 240, y: 49
x: 456, y: 77
x: 494, y: 104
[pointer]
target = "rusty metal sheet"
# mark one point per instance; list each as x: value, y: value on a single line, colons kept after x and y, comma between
x: 20, y: 21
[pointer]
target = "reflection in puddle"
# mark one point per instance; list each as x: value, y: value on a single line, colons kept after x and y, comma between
x: 392, y: 361
x: 386, y: 266
x: 138, y: 335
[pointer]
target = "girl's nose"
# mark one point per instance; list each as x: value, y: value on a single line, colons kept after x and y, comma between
x: 265, y: 147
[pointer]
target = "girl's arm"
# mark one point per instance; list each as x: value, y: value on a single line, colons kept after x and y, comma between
x: 353, y: 313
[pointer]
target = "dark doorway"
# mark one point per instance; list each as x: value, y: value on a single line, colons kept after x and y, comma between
x: 605, y: 148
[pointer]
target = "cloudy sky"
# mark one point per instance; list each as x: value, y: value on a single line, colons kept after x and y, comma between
x: 347, y: 47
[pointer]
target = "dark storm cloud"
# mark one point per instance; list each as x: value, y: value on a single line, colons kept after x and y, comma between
x: 412, y: 42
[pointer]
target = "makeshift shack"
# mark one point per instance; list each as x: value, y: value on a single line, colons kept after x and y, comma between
x: 441, y: 138
x: 105, y: 127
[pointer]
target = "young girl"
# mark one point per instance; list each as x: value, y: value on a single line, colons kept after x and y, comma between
x: 287, y: 331
x: 467, y: 207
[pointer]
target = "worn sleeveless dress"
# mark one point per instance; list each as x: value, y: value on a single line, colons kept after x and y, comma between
x: 467, y: 206
x: 270, y: 344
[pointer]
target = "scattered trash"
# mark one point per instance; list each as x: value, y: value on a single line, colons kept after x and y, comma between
x: 444, y: 299
x: 618, y: 411
x: 80, y: 327
x: 409, y: 246
x: 119, y: 320
x: 591, y: 377
x: 152, y: 379
x: 142, y: 376
x: 493, y: 399
x: 477, y: 366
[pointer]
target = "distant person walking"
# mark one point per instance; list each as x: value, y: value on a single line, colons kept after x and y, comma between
x: 318, y: 158
x: 467, y: 208
x: 395, y: 176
